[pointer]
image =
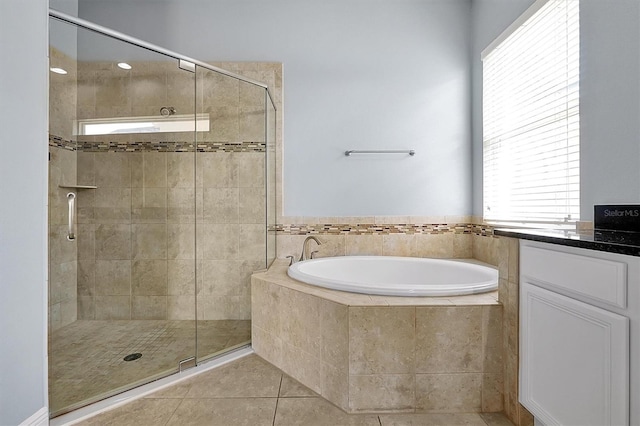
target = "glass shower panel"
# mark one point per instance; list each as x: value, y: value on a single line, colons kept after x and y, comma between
x: 231, y: 226
x: 122, y: 127
x: 271, y: 177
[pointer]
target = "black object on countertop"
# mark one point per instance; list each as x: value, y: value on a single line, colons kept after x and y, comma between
x: 618, y: 217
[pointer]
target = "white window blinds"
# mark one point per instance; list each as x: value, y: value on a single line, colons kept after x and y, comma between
x: 531, y: 130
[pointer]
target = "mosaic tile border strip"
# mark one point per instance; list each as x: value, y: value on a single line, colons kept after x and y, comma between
x: 59, y: 142
x: 382, y: 229
x: 113, y: 146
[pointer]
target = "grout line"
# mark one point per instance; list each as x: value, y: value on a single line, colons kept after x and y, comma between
x: 174, y: 411
x: 275, y: 412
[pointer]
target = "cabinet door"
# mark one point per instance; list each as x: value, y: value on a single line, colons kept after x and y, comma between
x: 574, y: 363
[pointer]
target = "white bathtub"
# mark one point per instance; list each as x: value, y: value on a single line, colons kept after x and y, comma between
x: 396, y: 276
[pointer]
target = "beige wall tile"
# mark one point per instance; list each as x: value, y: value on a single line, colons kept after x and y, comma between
x: 181, y: 241
x: 60, y: 249
x: 251, y: 171
x: 363, y: 245
x: 251, y: 205
x: 112, y: 169
x: 398, y: 245
x: 334, y: 331
x: 301, y: 325
x: 449, y: 393
x: 149, y: 205
x: 86, y: 277
x: 289, y: 245
x: 251, y: 123
x: 434, y: 245
x: 382, y: 393
x: 86, y: 308
x: 220, y: 278
x: 113, y: 307
x: 181, y: 307
x: 486, y: 249
x: 181, y: 169
x: 113, y: 242
x: 266, y: 312
x: 149, y: 307
x: 332, y: 245
x: 382, y: 340
x: 335, y: 386
x: 251, y: 242
x: 449, y: 339
x: 181, y: 205
x: 218, y: 241
x: 492, y: 340
x: 224, y: 307
x: 86, y: 241
x: 267, y: 345
x: 492, y: 389
x: 224, y: 123
x: 220, y: 205
x: 149, y: 278
x: 113, y: 277
x: 149, y: 241
x: 304, y: 367
x: 181, y: 277
x: 462, y: 246
x: 218, y: 169
x: 112, y: 205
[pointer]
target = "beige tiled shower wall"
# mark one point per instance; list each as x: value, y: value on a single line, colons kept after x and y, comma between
x: 62, y: 171
x: 137, y: 231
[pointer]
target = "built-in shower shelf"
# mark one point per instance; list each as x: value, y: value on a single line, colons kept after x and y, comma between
x: 78, y: 186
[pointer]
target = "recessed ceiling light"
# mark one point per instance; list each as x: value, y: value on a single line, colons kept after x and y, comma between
x: 57, y: 70
x: 124, y: 66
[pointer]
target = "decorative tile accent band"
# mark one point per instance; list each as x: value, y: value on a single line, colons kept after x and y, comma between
x: 61, y: 143
x: 114, y: 146
x: 382, y: 229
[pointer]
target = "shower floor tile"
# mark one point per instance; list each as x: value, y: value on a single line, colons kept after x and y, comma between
x: 86, y: 358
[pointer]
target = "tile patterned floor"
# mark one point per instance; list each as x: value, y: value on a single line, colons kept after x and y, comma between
x: 252, y: 392
x: 86, y: 357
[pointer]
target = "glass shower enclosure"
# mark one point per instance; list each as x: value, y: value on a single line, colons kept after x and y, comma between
x: 161, y: 194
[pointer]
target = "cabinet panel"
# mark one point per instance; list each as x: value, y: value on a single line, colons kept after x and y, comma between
x: 598, y: 279
x: 574, y: 360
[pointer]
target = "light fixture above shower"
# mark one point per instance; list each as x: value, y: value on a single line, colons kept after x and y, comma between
x: 124, y: 65
x: 58, y: 70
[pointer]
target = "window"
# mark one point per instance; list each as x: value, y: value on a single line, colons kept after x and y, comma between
x: 531, y: 129
x: 153, y: 124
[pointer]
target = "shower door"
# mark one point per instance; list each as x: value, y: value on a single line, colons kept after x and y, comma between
x: 231, y: 221
x: 122, y: 247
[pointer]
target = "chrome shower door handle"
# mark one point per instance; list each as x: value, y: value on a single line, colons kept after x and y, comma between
x: 71, y: 199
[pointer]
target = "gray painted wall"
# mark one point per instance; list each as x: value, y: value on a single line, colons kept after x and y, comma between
x: 609, y: 103
x: 609, y: 96
x: 359, y: 74
x: 23, y: 212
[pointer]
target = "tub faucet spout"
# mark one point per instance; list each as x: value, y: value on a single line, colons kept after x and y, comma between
x: 305, y: 247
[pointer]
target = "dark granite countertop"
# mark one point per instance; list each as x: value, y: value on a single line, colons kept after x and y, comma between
x: 613, y: 242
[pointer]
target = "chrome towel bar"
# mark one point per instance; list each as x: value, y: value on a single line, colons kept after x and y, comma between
x: 388, y: 151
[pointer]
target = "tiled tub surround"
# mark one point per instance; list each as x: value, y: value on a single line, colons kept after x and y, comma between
x: 381, y: 354
x: 444, y: 237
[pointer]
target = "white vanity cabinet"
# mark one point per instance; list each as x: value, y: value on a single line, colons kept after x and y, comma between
x: 578, y: 359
